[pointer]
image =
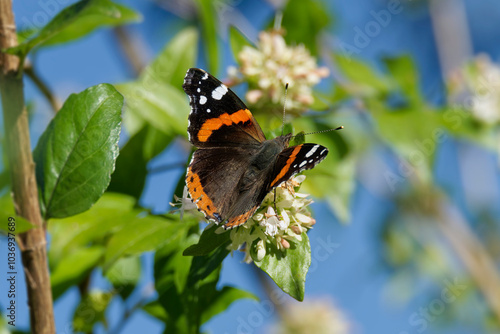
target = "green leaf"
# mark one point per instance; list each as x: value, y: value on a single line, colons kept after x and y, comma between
x: 73, y: 268
x: 130, y: 173
x: 76, y: 154
x: 76, y: 21
x: 208, y: 242
x: 406, y: 76
x: 7, y: 213
x: 171, y: 64
x: 131, y: 165
x: 288, y: 269
x: 238, y: 41
x: 107, y: 216
x: 363, y: 80
x: 91, y: 311
x: 299, y: 14
x: 124, y: 275
x: 155, y: 309
x: 208, y: 17
x: 202, y: 266
x: 223, y: 299
x: 143, y: 234
x: 157, y: 98
x: 162, y: 106
x: 298, y: 139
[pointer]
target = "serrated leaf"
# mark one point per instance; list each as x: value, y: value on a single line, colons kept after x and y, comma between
x: 208, y: 242
x: 73, y: 268
x: 76, y: 154
x: 288, y: 269
x: 76, y: 21
x: 223, y: 299
x: 7, y: 212
x: 124, y: 275
x: 238, y: 41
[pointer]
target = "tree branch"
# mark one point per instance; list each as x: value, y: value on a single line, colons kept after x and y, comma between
x: 24, y: 188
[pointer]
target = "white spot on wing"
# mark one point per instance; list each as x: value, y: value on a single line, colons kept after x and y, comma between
x: 205, y: 76
x: 208, y: 110
x: 310, y: 161
x: 203, y: 99
x: 303, y: 163
x: 219, y: 92
x: 323, y: 151
x: 311, y: 151
x: 198, y: 90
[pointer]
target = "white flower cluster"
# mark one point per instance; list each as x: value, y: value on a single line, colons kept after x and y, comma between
x: 480, y: 82
x: 273, y: 64
x: 279, y: 228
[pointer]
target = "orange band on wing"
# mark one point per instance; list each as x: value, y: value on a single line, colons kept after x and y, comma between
x: 287, y: 165
x: 240, y: 220
x: 213, y: 124
x: 200, y: 198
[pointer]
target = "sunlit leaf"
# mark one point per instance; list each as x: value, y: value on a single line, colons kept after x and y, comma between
x: 141, y: 235
x: 288, y: 268
x: 108, y: 215
x: 238, y: 41
x: 73, y: 268
x: 208, y: 20
x: 124, y: 275
x: 76, y: 154
x: 77, y: 20
x: 10, y: 221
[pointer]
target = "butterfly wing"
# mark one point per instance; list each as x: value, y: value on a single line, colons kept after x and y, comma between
x: 295, y: 159
x: 212, y: 179
x: 218, y: 117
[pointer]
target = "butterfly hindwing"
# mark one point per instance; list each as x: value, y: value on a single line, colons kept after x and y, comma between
x: 218, y: 117
x: 295, y: 159
x: 212, y: 179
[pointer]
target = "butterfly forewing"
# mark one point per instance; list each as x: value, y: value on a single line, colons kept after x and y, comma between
x: 218, y: 117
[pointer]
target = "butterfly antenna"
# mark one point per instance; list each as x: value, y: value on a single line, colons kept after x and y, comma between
x: 284, y: 108
x: 315, y: 132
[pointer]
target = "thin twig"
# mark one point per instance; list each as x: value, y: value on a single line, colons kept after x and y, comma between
x: 43, y: 87
x: 130, y: 49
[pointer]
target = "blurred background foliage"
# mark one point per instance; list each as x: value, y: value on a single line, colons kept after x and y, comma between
x: 416, y: 167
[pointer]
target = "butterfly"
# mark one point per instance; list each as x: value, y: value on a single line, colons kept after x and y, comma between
x: 235, y: 166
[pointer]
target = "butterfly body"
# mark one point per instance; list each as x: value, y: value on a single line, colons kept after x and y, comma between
x: 235, y: 167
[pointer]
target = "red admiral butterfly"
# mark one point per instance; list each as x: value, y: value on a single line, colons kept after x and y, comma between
x: 235, y: 167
